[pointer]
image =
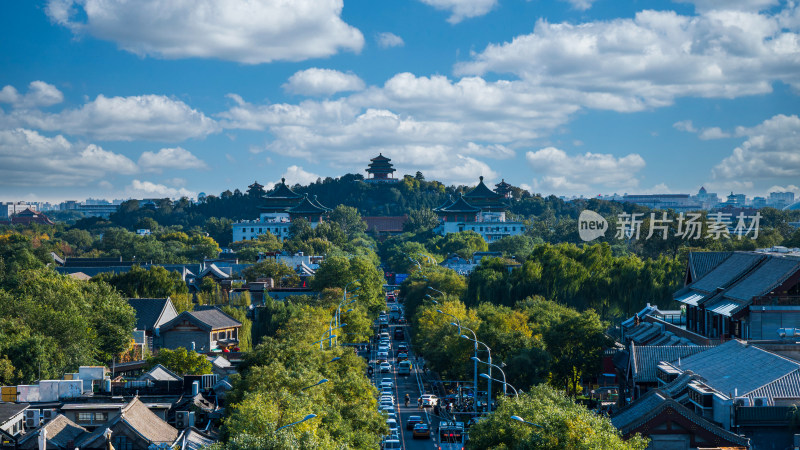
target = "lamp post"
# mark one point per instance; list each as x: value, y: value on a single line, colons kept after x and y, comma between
x: 489, y: 358
x: 520, y: 419
x: 516, y: 394
x: 322, y: 381
x: 308, y: 417
x: 498, y: 368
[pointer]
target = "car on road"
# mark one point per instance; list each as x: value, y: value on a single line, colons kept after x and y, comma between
x: 386, y: 408
x: 383, y: 354
x: 413, y: 420
x: 392, y: 425
x: 401, y: 320
x: 391, y: 444
x: 386, y: 384
x: 422, y: 431
x: 387, y: 399
x: 386, y: 367
x: 402, y: 356
x: 399, y: 334
x: 429, y: 400
x: 402, y: 347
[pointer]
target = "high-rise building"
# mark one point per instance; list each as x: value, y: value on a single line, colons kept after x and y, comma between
x: 780, y: 200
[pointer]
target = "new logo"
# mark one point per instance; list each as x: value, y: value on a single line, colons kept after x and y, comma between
x: 591, y: 225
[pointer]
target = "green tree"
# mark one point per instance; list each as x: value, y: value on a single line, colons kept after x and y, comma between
x: 155, y: 282
x: 246, y: 331
x: 181, y: 361
x: 421, y: 220
x: 577, y: 346
x: 561, y: 424
x: 349, y: 220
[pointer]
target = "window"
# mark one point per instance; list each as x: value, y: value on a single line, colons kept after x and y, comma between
x: 101, y: 417
x: 259, y: 230
x: 123, y: 443
x: 85, y: 417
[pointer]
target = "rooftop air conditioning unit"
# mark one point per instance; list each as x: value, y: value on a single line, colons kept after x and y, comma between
x: 760, y: 401
x: 31, y: 418
x: 742, y: 401
x: 184, y: 419
x: 48, y: 415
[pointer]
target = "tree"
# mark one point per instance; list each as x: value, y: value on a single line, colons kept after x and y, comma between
x: 561, y: 424
x: 181, y: 361
x: 464, y: 244
x: 577, y: 346
x: 269, y: 268
x: 155, y: 282
x: 246, y: 331
x: 349, y: 220
x: 421, y: 220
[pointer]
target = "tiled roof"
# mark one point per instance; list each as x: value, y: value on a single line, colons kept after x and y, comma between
x: 764, y: 278
x: 481, y: 191
x: 700, y: 263
x: 160, y: 373
x: 9, y: 410
x: 460, y: 205
x: 645, y: 359
x: 215, y: 271
x: 211, y: 318
x: 148, y: 311
x: 194, y: 439
x: 60, y: 432
x: 385, y: 224
x: 738, y: 366
x: 137, y: 416
x: 283, y: 191
x: 307, y: 206
x: 787, y: 386
x: 653, y: 403
x: 727, y: 272
x: 447, y: 202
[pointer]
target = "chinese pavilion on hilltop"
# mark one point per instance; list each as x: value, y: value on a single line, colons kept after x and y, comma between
x: 381, y: 170
x: 281, y: 206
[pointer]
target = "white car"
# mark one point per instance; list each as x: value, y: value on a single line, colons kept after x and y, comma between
x: 383, y: 356
x: 388, y: 381
x: 392, y: 425
x: 388, y: 400
x: 386, y: 367
x: 429, y: 400
x: 386, y: 385
x: 391, y: 444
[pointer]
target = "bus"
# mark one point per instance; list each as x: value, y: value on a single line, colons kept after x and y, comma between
x: 451, y: 436
x: 404, y: 368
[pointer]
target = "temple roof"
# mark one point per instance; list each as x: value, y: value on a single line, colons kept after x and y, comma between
x: 283, y: 191
x: 481, y: 191
x: 449, y: 201
x: 380, y: 157
x: 255, y: 185
x: 502, y: 187
x: 380, y: 164
x: 308, y: 206
x: 460, y: 206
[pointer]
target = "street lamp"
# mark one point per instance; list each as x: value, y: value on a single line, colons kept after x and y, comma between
x: 475, y: 358
x: 520, y: 419
x: 489, y: 351
x: 308, y: 417
x: 436, y: 290
x: 483, y: 375
x: 322, y: 381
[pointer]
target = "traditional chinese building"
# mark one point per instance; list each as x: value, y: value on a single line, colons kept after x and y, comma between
x: 280, y: 207
x: 503, y: 188
x: 480, y: 210
x: 381, y: 170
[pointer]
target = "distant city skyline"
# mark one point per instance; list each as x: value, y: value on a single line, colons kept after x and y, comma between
x: 570, y: 97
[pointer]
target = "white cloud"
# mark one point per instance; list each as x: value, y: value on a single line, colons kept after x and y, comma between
x: 170, y: 158
x: 147, y: 117
x: 148, y: 189
x: 29, y: 158
x: 685, y: 125
x: 387, y: 40
x: 583, y: 173
x: 648, y: 61
x: 245, y: 31
x: 770, y: 152
x: 177, y: 181
x: 741, y: 5
x: 713, y: 133
x: 462, y: 9
x: 323, y: 82
x: 39, y: 94
x: 580, y: 5
x: 296, y: 175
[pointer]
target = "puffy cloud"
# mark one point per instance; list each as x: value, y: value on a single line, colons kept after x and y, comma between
x: 742, y: 5
x: 28, y: 158
x: 147, y: 117
x: 170, y: 158
x: 583, y: 173
x: 316, y: 81
x: 685, y: 125
x: 713, y: 133
x: 296, y: 175
x: 245, y: 31
x: 769, y: 153
x: 653, y: 58
x: 386, y: 40
x: 581, y: 5
x: 148, y: 189
x: 39, y: 94
x: 462, y: 9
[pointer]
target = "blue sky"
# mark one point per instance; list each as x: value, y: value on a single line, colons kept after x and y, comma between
x: 152, y: 98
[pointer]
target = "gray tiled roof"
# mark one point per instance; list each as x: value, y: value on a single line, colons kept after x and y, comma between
x: 209, y: 319
x: 738, y: 366
x: 653, y: 403
x: 138, y: 417
x: 764, y: 278
x: 700, y: 263
x: 148, y: 311
x: 60, y: 431
x: 160, y: 373
x: 9, y: 410
x: 645, y: 359
x: 727, y: 272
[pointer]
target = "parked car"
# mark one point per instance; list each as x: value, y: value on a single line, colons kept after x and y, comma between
x: 391, y: 444
x: 422, y: 431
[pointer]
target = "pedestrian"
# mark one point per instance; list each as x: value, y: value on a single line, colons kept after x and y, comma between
x: 408, y: 399
x: 419, y: 402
